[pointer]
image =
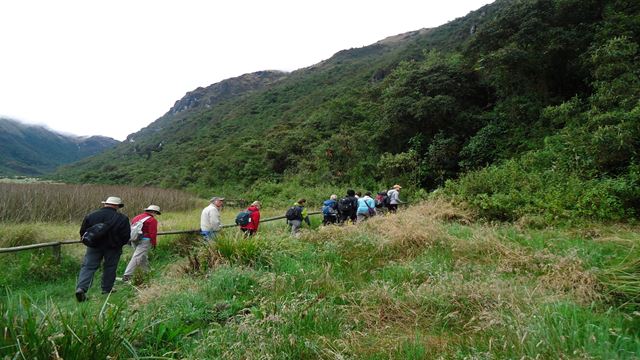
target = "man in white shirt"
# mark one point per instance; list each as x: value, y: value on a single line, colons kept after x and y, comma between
x: 210, y: 223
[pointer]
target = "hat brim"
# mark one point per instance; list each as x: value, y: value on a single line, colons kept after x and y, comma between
x: 118, y: 205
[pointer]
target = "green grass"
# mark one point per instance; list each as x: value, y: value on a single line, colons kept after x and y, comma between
x: 380, y: 290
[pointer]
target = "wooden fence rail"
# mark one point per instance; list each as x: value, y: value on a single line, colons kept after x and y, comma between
x: 56, y: 244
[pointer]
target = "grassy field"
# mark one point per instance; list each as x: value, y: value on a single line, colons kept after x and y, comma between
x: 429, y: 282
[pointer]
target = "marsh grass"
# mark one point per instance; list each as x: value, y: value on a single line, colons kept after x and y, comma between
x: 43, y: 202
x: 428, y: 282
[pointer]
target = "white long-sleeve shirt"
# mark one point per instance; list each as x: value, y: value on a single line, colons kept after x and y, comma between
x: 394, y: 197
x: 210, y: 219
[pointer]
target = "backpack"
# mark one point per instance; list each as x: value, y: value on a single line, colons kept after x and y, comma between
x: 136, y: 229
x: 345, y: 205
x: 243, y: 218
x: 294, y: 213
x: 382, y: 199
x: 93, y: 236
x: 329, y: 208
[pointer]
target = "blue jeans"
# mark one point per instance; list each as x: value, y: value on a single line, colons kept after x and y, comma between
x: 92, y: 259
x: 208, y: 235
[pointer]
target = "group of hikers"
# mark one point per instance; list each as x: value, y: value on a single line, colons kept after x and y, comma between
x: 106, y: 231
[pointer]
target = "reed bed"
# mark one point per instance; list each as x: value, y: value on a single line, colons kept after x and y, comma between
x: 41, y: 202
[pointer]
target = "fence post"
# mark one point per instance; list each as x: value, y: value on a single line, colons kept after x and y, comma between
x: 56, y: 249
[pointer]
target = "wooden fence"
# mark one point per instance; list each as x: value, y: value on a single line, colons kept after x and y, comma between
x: 56, y: 245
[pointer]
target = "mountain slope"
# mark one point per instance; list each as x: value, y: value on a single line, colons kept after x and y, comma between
x: 521, y: 85
x: 35, y: 150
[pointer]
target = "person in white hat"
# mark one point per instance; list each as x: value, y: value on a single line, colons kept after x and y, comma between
x: 394, y: 198
x: 147, y: 224
x: 112, y: 234
x: 210, y: 223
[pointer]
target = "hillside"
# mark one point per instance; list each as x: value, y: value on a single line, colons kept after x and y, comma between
x: 36, y: 150
x: 532, y: 105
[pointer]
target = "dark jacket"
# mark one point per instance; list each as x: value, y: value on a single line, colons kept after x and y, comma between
x: 354, y: 206
x: 119, y: 232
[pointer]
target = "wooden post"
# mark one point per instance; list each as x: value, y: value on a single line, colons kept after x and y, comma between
x: 56, y: 249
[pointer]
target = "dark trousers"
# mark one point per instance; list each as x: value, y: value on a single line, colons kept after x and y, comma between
x: 347, y: 216
x: 393, y: 208
x: 330, y: 219
x: 92, y: 259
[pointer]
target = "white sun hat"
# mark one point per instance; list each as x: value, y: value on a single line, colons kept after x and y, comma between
x: 114, y: 200
x: 155, y: 208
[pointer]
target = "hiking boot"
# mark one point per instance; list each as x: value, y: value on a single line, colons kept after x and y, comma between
x: 81, y: 295
x: 126, y: 278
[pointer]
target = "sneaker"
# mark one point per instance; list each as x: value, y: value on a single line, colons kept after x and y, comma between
x: 104, y: 292
x: 126, y: 278
x: 81, y: 295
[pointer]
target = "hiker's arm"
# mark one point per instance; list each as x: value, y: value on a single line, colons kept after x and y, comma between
x: 83, y: 227
x: 153, y: 231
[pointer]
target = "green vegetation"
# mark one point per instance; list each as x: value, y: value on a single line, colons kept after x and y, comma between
x: 429, y: 282
x: 533, y: 105
x: 35, y: 150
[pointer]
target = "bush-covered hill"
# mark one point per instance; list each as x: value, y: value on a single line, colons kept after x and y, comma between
x: 35, y: 150
x: 532, y: 104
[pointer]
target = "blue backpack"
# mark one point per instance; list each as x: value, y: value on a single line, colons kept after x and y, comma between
x: 329, y: 207
x: 243, y: 218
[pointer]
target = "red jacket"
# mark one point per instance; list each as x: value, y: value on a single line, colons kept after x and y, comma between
x: 149, y: 228
x: 255, y: 219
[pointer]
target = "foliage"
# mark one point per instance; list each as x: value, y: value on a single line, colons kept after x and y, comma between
x: 546, y: 87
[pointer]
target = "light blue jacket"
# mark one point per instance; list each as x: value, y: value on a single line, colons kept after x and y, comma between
x: 363, y: 202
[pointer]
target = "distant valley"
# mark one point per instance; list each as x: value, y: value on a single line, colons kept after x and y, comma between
x: 34, y: 150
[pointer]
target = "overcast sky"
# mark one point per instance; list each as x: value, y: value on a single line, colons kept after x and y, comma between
x: 112, y: 67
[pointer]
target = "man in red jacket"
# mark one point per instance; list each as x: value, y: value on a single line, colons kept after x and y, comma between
x: 252, y: 227
x: 142, y: 245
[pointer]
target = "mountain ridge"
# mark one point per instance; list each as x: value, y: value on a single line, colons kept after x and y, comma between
x: 27, y: 149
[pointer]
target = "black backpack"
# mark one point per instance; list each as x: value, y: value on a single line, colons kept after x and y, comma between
x: 345, y: 205
x: 96, y: 234
x: 294, y: 213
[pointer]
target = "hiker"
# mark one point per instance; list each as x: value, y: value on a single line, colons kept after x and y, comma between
x: 210, y: 223
x: 330, y: 210
x: 251, y: 227
x: 296, y: 214
x: 394, y: 198
x: 110, y: 229
x: 347, y: 207
x: 144, y: 241
x: 366, y: 207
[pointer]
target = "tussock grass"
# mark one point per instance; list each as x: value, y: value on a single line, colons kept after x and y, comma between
x: 18, y: 235
x: 622, y: 282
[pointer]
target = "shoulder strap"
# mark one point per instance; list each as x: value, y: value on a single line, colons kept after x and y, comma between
x: 111, y: 222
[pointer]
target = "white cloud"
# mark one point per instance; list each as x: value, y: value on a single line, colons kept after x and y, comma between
x: 112, y: 67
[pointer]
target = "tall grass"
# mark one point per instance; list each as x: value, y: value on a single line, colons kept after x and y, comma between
x: 425, y: 283
x: 34, y: 332
x: 69, y: 203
